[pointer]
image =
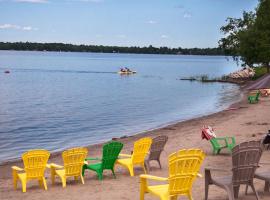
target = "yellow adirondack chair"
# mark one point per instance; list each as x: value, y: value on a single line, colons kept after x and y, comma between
x: 140, y: 150
x: 34, y: 167
x: 184, y: 167
x: 73, y: 162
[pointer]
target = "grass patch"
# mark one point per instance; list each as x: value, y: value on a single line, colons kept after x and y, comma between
x: 259, y: 72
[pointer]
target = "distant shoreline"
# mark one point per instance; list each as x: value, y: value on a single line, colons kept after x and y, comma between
x: 61, y: 47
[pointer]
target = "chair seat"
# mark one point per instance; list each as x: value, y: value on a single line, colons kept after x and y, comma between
x: 159, y: 190
x: 226, y: 180
x: 95, y: 167
x: 262, y: 175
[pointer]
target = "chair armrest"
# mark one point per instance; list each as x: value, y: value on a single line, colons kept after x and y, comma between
x: 264, y: 163
x: 92, y: 159
x: 125, y: 155
x: 215, y: 169
x: 156, y: 178
x: 53, y: 165
x: 17, y: 168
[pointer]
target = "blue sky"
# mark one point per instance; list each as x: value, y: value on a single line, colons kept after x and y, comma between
x: 173, y: 23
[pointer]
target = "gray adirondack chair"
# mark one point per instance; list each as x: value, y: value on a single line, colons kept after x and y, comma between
x: 156, y: 148
x: 245, y: 160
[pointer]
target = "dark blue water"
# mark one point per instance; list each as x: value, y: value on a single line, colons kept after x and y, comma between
x: 57, y: 100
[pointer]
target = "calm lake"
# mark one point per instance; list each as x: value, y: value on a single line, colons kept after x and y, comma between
x: 57, y: 100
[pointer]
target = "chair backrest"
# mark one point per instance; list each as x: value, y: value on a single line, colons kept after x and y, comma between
x: 74, y: 160
x: 184, y: 167
x: 35, y: 163
x: 245, y: 160
x: 140, y: 150
x: 110, y: 153
x: 157, y: 146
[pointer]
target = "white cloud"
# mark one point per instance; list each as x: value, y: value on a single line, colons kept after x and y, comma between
x: 164, y: 36
x: 29, y: 28
x: 151, y: 22
x: 17, y: 27
x: 32, y: 1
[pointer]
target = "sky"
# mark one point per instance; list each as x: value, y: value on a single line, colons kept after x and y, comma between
x: 172, y: 23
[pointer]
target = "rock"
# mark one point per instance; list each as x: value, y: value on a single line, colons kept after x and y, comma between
x: 246, y: 72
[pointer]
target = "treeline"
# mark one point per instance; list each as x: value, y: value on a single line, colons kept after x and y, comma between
x: 32, y: 46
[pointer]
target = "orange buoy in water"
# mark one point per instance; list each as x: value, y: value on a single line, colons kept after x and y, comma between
x: 7, y: 72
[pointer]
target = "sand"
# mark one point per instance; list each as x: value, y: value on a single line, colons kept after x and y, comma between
x: 248, y: 122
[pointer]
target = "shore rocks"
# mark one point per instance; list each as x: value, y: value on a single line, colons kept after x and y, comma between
x: 244, y: 73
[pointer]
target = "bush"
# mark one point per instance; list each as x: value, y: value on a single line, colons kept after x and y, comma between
x: 259, y: 72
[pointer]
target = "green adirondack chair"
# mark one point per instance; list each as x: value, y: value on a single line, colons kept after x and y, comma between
x: 254, y: 98
x: 111, y: 151
x: 221, y: 143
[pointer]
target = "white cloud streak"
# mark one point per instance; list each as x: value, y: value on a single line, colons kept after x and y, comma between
x: 151, y: 22
x: 17, y: 27
x: 164, y: 36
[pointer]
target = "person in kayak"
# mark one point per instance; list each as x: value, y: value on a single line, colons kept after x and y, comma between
x: 127, y: 69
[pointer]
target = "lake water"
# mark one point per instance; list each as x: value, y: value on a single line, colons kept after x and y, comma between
x: 57, y: 100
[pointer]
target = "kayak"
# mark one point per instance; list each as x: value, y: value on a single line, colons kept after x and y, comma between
x: 127, y: 73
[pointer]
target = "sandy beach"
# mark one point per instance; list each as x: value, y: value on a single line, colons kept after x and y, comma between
x: 248, y: 122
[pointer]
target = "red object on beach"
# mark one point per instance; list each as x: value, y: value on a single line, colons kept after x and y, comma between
x: 7, y: 72
x: 208, y: 133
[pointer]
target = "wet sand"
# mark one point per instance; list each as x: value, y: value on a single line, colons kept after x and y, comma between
x: 247, y: 122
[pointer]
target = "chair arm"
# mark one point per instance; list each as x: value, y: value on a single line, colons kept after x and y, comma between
x: 53, y: 165
x: 215, y: 169
x: 17, y: 168
x: 125, y: 155
x: 92, y: 159
x: 156, y: 178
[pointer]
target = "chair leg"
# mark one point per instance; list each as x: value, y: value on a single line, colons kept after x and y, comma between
x: 254, y: 190
x: 40, y: 182
x: 113, y: 173
x: 53, y: 175
x: 100, y: 175
x: 131, y: 170
x: 143, y: 186
x: 82, y: 179
x: 246, y: 189
x: 23, y: 185
x: 64, y: 181
x: 15, y: 179
x: 144, y: 169
x: 207, y: 183
x: 266, y: 186
x: 236, y: 191
x: 75, y: 178
x: 159, y: 163
x: 230, y: 192
x: 147, y: 165
x: 173, y: 198
x: 44, y: 183
x: 189, y: 196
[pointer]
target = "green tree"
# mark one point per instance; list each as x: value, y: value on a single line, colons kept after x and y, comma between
x: 249, y: 37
